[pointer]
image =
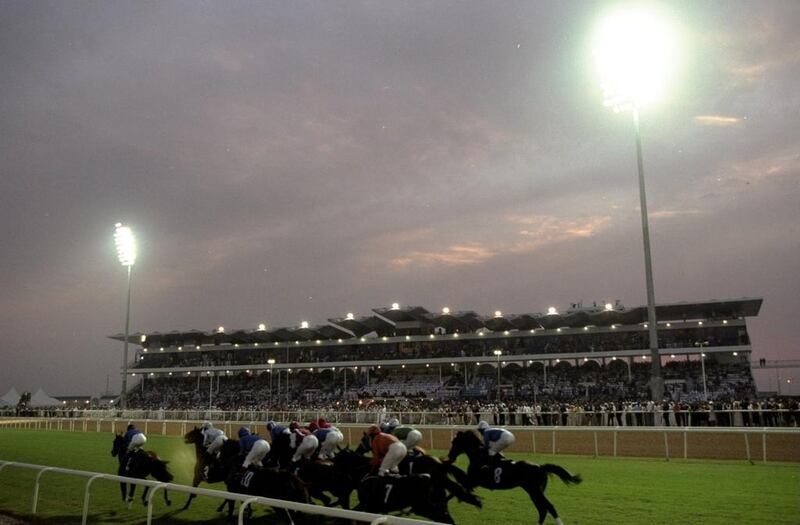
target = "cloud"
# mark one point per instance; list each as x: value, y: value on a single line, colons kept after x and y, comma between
x: 506, y: 238
x: 717, y: 120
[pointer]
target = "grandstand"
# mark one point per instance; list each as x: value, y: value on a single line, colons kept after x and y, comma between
x: 592, y: 352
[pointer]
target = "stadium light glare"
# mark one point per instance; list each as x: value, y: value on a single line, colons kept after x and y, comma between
x: 609, y: 307
x: 498, y: 313
x: 552, y: 310
x: 126, y: 253
x: 262, y: 327
x: 445, y: 310
x: 395, y: 306
x: 350, y: 316
x: 635, y: 52
x: 303, y: 324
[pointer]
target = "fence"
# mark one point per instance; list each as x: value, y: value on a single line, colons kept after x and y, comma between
x: 244, y: 499
x: 684, y: 418
x: 766, y: 444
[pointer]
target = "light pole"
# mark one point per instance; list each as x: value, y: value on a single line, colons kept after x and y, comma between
x: 634, y: 53
x: 270, y: 362
x: 126, y: 252
x: 703, y: 344
x: 497, y: 354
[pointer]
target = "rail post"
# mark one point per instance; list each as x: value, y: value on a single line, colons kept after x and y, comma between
x: 150, y: 501
x: 89, y: 482
x: 243, y: 506
x: 596, y: 454
x: 666, y: 446
x: 36, y: 488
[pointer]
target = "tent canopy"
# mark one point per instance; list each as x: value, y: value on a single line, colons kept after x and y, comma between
x: 40, y: 399
x: 11, y: 398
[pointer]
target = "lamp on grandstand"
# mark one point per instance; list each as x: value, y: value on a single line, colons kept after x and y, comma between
x: 703, y: 344
x: 270, y: 362
x: 635, y: 54
x: 126, y: 252
x: 497, y: 354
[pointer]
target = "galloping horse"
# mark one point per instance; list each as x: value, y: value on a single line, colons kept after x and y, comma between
x: 265, y: 482
x: 417, y: 492
x: 507, y: 474
x: 202, y: 463
x: 139, y: 465
x: 419, y: 462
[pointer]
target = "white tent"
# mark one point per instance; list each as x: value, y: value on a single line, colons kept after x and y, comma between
x: 10, y: 399
x: 40, y: 399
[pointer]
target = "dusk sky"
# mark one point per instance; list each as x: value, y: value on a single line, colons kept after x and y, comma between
x: 290, y: 161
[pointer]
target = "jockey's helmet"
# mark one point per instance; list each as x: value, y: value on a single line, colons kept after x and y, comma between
x: 313, y: 426
x: 483, y: 425
x: 323, y: 423
x: 270, y: 425
x: 393, y: 422
x: 243, y: 432
x: 294, y: 425
x: 373, y: 430
x: 206, y: 425
x: 131, y: 427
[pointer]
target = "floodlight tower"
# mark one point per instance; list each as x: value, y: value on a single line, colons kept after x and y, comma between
x: 635, y: 55
x: 126, y: 252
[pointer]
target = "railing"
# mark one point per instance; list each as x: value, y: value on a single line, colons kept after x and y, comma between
x: 608, y: 441
x: 659, y: 418
x: 244, y: 499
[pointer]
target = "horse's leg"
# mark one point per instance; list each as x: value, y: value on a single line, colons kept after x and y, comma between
x: 123, y: 489
x: 539, y: 501
x: 144, y: 494
x: 166, y: 498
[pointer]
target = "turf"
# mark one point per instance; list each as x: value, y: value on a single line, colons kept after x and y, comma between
x: 617, y: 491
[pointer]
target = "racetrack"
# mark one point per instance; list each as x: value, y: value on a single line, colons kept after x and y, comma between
x: 620, y: 491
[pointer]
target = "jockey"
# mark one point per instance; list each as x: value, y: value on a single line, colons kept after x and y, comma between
x: 328, y: 439
x: 387, y: 450
x: 252, y: 447
x: 213, y: 438
x: 303, y: 441
x: 389, y: 426
x: 323, y: 423
x: 276, y: 430
x: 495, y: 439
x: 134, y: 439
x: 410, y: 436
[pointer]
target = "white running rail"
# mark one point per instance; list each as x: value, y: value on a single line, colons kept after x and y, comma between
x: 245, y: 499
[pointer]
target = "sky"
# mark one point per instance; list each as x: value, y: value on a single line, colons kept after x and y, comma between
x: 283, y: 162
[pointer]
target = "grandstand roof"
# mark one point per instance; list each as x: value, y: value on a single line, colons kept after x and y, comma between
x: 397, y: 321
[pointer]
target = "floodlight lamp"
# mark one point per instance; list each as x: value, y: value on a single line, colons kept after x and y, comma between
x: 609, y: 307
x: 498, y: 313
x: 498, y: 352
x: 395, y: 306
x: 635, y: 52
x: 304, y: 324
x: 350, y: 316
x: 552, y: 311
x: 262, y: 327
x: 221, y: 330
x: 126, y: 244
x: 445, y: 310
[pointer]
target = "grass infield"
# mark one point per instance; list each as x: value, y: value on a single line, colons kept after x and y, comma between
x: 615, y: 491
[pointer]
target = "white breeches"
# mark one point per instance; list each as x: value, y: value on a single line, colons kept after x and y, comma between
x: 497, y: 446
x: 215, y: 445
x: 137, y: 441
x: 256, y: 454
x: 396, y: 453
x: 306, y: 448
x: 411, y: 440
x: 327, y: 448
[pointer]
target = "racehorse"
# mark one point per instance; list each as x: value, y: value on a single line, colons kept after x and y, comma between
x: 506, y: 474
x: 265, y: 482
x: 202, y: 463
x: 418, y: 462
x: 320, y: 476
x: 417, y: 492
x: 139, y: 465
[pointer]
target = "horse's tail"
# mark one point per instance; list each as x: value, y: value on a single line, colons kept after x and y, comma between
x: 160, y: 471
x: 562, y: 473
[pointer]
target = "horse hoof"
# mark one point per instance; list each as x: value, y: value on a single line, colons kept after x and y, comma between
x: 169, y: 503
